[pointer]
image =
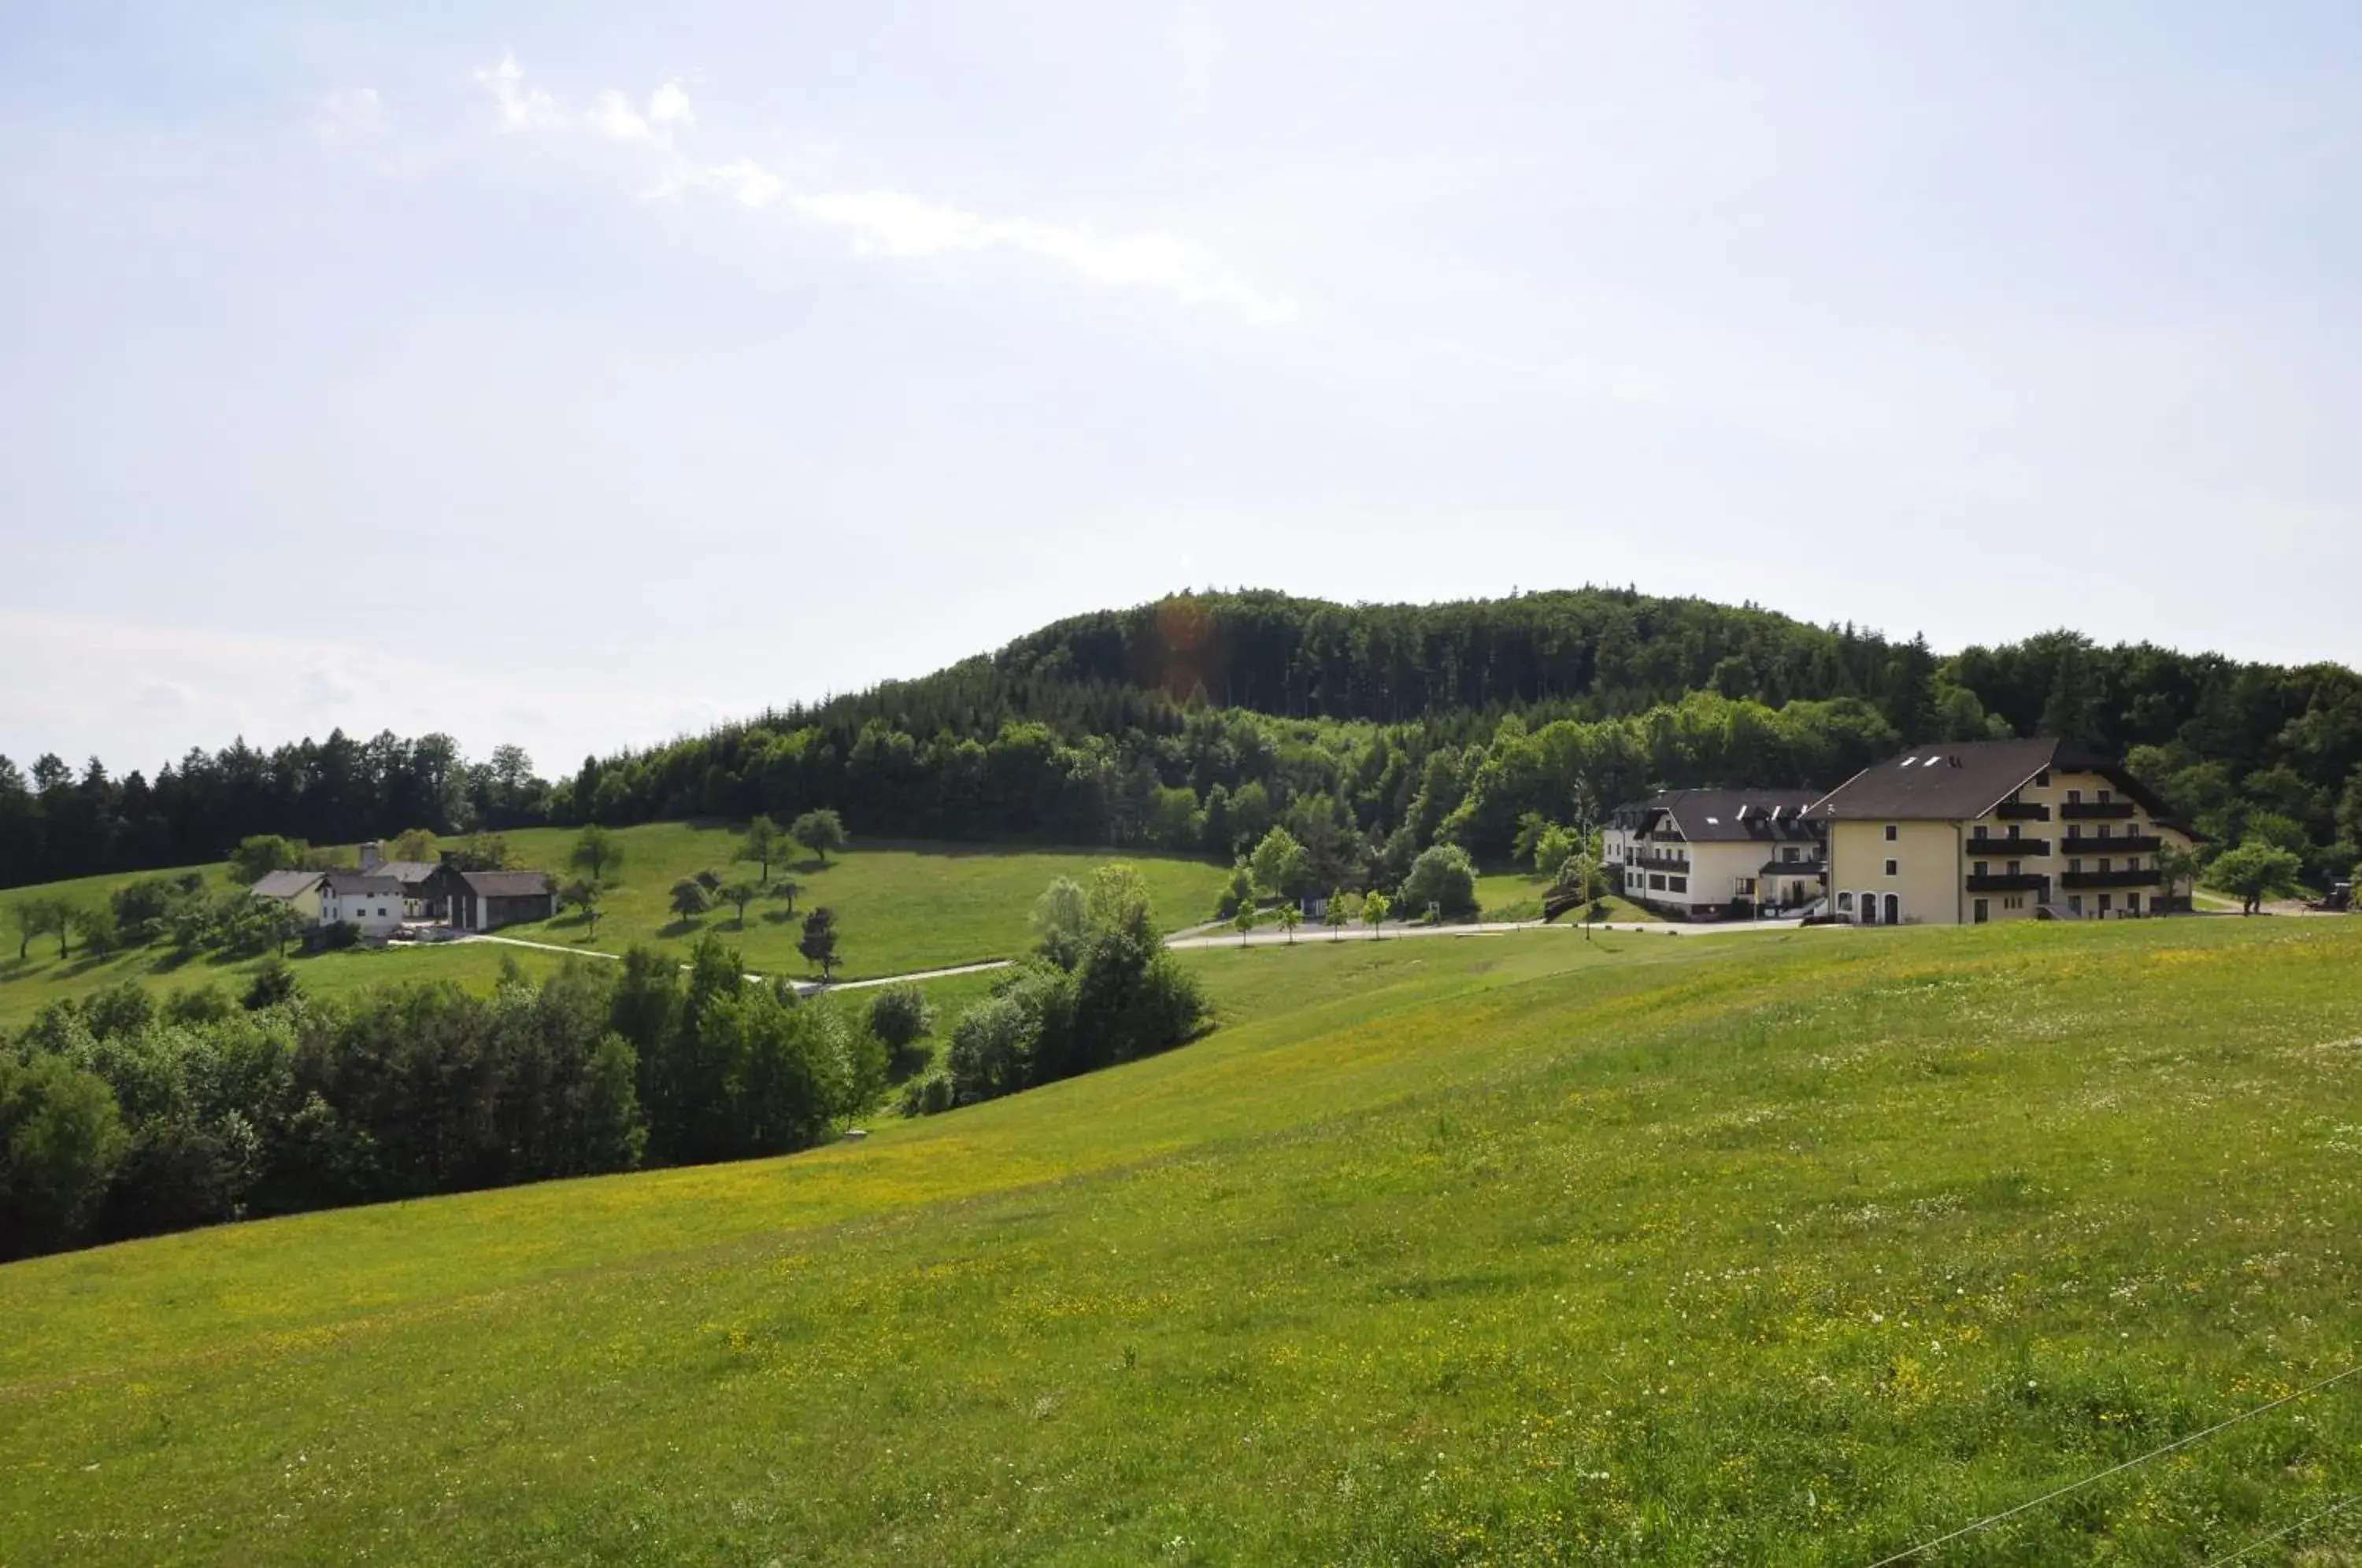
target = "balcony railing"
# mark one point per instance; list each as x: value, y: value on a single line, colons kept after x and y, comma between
x: 2109, y: 879
x: 2022, y: 811
x: 2129, y: 844
x: 2097, y: 811
x: 2005, y: 884
x: 2008, y: 849
x: 1659, y: 862
x: 1794, y: 868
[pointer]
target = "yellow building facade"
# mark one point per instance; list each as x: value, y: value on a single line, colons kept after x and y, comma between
x: 1974, y: 833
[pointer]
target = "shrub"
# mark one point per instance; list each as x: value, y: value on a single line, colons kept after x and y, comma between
x: 900, y: 1018
x: 1442, y: 876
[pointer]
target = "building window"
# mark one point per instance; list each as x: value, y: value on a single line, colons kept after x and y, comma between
x: 2017, y: 868
x: 2074, y: 796
x: 2132, y: 903
x: 1677, y: 884
x: 1657, y: 882
x: 1984, y: 911
x: 2104, y: 798
x: 2042, y: 780
x: 1845, y: 903
x: 2074, y: 868
x: 1979, y: 831
x: 1980, y: 869
x: 2106, y: 864
x: 1894, y: 867
x: 1890, y: 832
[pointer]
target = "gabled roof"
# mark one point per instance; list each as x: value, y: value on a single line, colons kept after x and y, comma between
x: 506, y: 884
x: 1724, y: 816
x: 365, y: 884
x: 409, y: 872
x: 285, y: 884
x: 1961, y: 780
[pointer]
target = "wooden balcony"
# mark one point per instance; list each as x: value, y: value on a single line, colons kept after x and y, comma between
x: 2022, y: 811
x: 1659, y: 862
x: 2109, y: 879
x: 2008, y: 849
x: 2130, y: 844
x: 2007, y: 884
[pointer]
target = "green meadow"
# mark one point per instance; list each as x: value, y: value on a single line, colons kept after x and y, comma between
x: 900, y: 907
x: 1793, y: 1248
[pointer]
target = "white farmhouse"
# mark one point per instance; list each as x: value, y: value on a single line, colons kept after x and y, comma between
x: 371, y: 902
x: 1708, y: 853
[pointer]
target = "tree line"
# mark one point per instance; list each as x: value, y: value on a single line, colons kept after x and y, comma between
x: 121, y: 1116
x: 1196, y: 723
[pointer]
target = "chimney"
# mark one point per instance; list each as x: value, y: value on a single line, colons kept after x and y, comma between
x: 370, y: 858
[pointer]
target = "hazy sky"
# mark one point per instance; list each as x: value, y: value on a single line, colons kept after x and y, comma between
x: 580, y: 373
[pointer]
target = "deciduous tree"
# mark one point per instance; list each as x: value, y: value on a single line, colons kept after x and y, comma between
x: 2256, y: 871
x: 820, y: 832
x: 584, y: 893
x: 740, y: 893
x: 818, y: 943
x: 598, y: 853
x: 688, y: 899
x: 762, y: 841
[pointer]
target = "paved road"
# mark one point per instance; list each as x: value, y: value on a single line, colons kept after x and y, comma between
x: 1267, y: 938
x: 1261, y: 938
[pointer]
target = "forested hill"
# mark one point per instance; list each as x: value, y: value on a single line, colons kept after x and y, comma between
x: 1197, y: 721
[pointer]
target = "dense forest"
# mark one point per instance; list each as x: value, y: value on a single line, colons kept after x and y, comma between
x: 1196, y: 723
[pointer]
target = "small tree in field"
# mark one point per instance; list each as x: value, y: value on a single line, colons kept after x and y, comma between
x: 1243, y: 921
x: 584, y: 893
x: 762, y: 841
x: 1375, y: 909
x: 821, y: 832
x: 2254, y: 872
x: 741, y: 894
x: 597, y: 854
x: 32, y: 921
x: 2176, y: 869
x: 688, y: 899
x: 1290, y: 917
x: 1335, y: 916
x: 818, y: 943
x: 787, y: 888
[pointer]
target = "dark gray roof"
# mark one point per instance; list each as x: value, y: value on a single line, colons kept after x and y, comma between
x: 1948, y: 783
x: 408, y: 872
x: 1725, y: 816
x: 506, y: 884
x: 346, y: 884
x: 284, y: 884
x: 1961, y: 780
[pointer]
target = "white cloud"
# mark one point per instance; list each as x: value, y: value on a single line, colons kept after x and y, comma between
x: 617, y: 119
x: 669, y: 106
x: 521, y: 108
x: 350, y: 115
x: 893, y: 223
x: 890, y: 223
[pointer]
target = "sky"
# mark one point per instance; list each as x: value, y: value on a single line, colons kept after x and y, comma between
x: 581, y: 374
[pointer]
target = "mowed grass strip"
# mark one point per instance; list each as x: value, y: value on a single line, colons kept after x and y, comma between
x: 1791, y: 1248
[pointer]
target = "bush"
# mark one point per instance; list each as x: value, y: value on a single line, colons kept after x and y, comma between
x: 900, y: 1018
x: 337, y: 937
x: 1444, y: 878
x: 273, y: 983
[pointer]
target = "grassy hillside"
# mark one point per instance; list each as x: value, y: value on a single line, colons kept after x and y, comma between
x: 900, y: 907
x: 40, y: 977
x: 1793, y: 1248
